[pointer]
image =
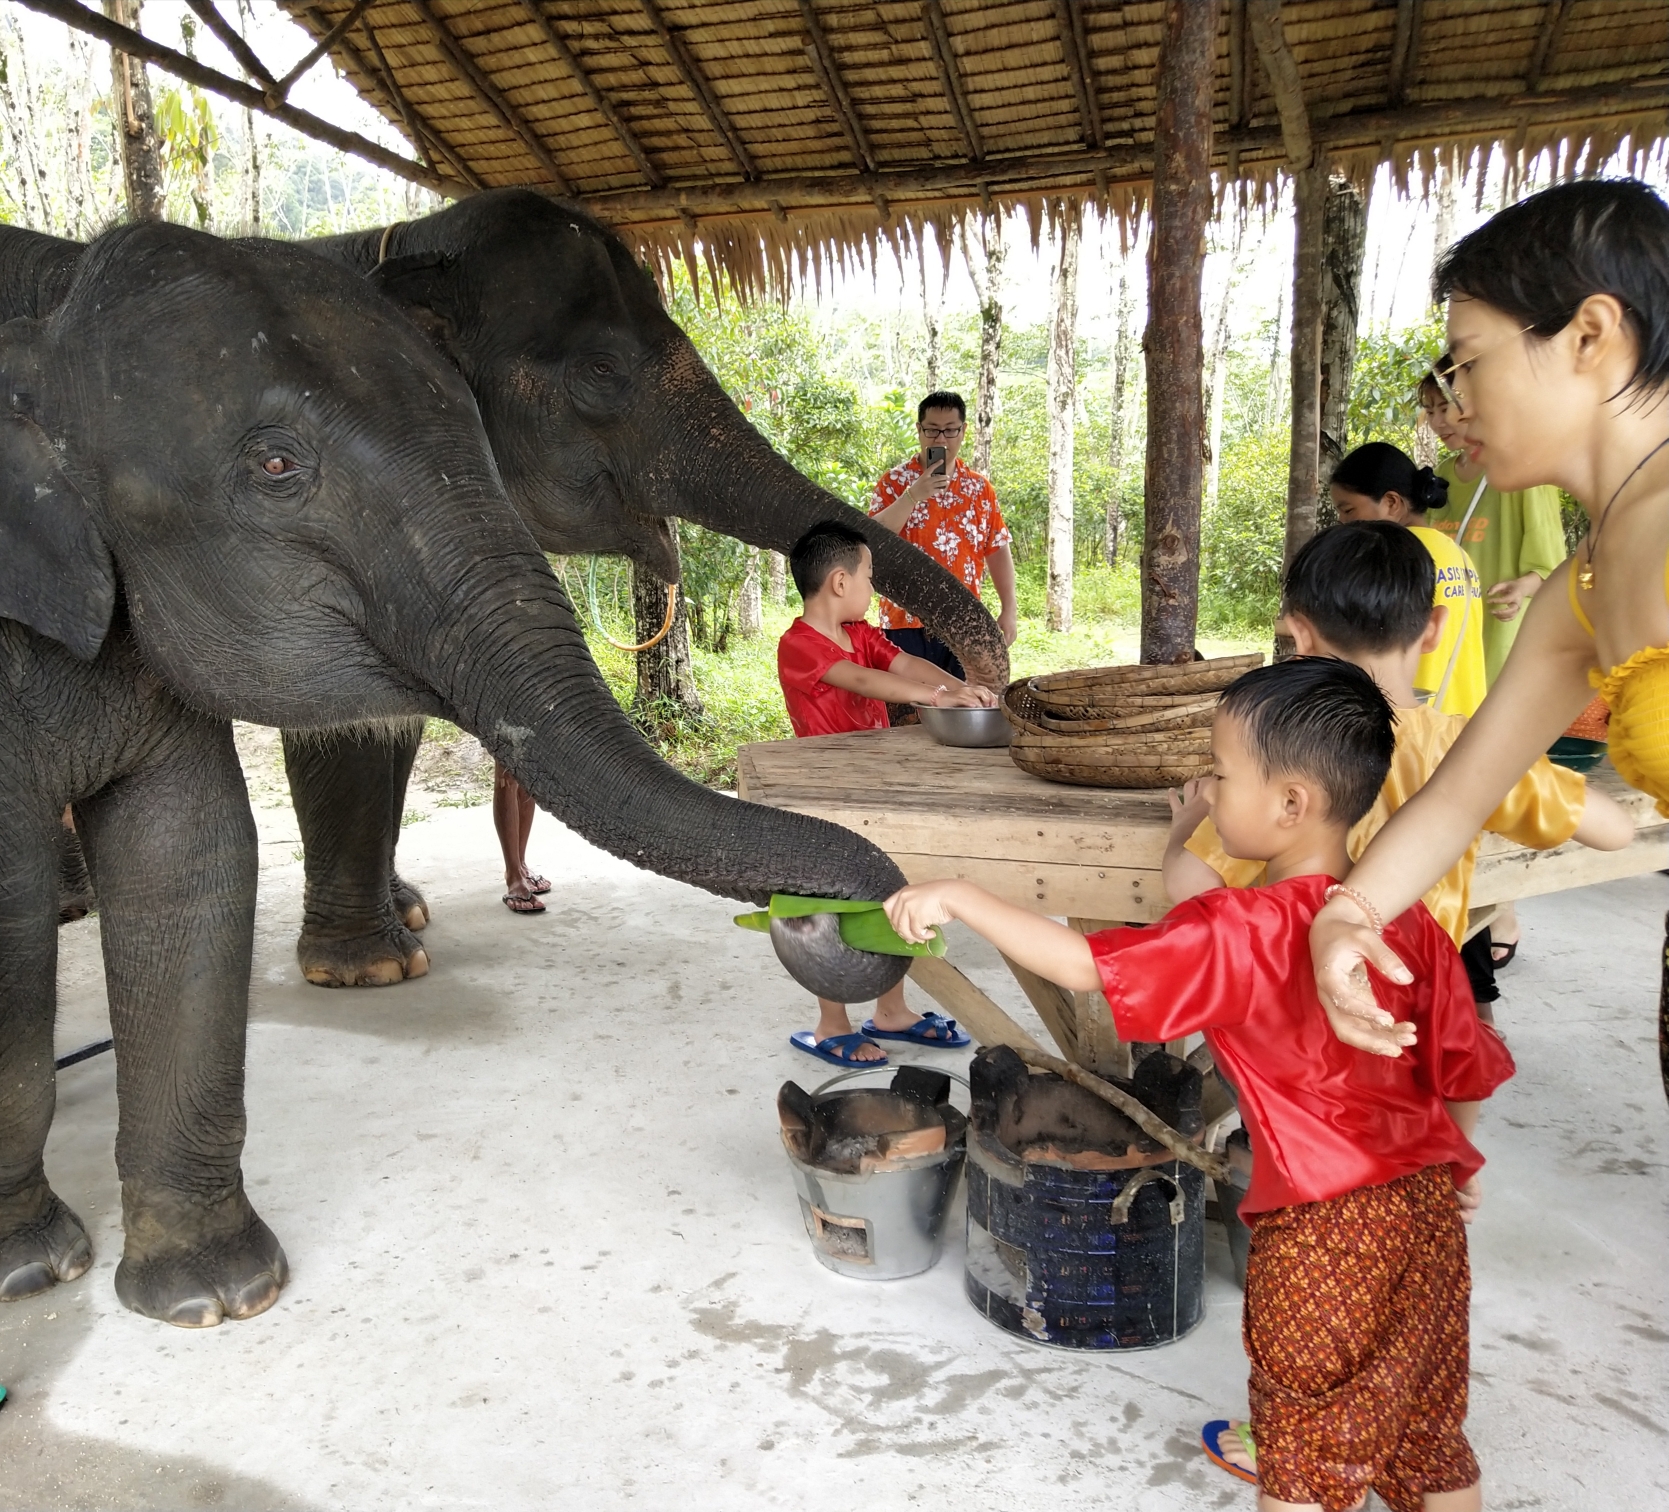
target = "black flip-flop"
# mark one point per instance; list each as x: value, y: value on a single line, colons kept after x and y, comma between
x: 523, y: 905
x: 1498, y: 961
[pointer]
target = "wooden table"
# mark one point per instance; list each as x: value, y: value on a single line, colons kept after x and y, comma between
x: 1091, y: 855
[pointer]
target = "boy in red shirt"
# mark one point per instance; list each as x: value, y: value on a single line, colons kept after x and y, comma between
x: 1357, y: 1288
x: 838, y: 673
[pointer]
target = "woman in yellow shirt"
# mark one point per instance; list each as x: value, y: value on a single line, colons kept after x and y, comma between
x: 1559, y: 327
x: 1379, y: 482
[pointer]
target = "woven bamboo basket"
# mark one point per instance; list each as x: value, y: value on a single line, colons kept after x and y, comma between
x: 1131, y: 727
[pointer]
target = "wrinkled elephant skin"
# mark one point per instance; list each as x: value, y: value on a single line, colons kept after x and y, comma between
x: 234, y: 483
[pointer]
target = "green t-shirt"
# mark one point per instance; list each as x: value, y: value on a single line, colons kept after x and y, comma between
x: 1509, y: 535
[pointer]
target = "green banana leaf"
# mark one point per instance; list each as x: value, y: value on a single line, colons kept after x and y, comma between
x: 863, y: 925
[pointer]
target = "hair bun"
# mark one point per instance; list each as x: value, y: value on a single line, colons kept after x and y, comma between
x: 1430, y: 491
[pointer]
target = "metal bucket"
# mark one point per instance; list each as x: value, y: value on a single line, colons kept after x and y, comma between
x: 1085, y: 1259
x: 882, y: 1225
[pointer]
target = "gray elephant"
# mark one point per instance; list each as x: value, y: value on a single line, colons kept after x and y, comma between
x: 234, y: 483
x: 605, y: 425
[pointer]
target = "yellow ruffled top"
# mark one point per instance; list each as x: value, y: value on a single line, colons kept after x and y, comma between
x: 1637, y: 693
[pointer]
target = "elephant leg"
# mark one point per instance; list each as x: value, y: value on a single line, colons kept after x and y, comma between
x: 349, y: 790
x: 1663, y: 1014
x: 172, y: 847
x: 75, y: 887
x: 41, y: 1240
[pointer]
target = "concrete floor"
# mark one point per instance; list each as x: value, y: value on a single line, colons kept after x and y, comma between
x: 546, y: 1252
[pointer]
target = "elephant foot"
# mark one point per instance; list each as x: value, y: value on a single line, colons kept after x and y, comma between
x: 48, y: 1246
x: 410, y: 906
x: 379, y: 958
x: 195, y: 1265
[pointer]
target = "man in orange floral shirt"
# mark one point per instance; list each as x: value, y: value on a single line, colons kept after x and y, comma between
x: 950, y: 513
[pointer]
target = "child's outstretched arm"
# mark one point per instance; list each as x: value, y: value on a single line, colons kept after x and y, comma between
x: 1052, y: 950
x: 1605, y: 824
x: 869, y: 682
x: 919, y: 669
x: 1185, y: 874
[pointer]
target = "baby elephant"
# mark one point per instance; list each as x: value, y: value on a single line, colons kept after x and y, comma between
x: 234, y: 482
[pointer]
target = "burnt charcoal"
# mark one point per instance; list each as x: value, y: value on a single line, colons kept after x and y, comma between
x: 796, y: 1115
x: 1172, y: 1088
x: 1025, y: 1110
x: 847, y: 1132
x: 995, y: 1075
x: 931, y: 1088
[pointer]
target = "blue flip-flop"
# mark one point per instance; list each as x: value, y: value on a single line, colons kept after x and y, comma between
x: 932, y: 1029
x: 1213, y: 1431
x: 843, y: 1053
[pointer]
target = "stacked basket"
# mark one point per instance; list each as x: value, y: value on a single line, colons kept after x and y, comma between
x: 1123, y: 727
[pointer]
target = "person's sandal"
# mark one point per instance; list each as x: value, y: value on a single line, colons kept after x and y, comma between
x: 523, y: 905
x: 1211, y: 1435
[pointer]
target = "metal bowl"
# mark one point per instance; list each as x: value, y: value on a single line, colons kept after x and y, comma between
x: 966, y: 727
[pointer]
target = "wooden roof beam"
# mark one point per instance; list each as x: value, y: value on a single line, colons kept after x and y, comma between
x: 938, y: 35
x: 822, y: 59
x: 1547, y: 41
x: 232, y: 39
x: 331, y: 37
x: 420, y: 132
x: 1069, y: 18
x: 1240, y: 94
x: 1405, y: 52
x: 1264, y: 17
x: 696, y: 82
x: 628, y: 138
x: 136, y: 45
x: 489, y: 94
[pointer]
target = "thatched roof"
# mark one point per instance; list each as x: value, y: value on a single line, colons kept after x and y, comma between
x: 776, y: 133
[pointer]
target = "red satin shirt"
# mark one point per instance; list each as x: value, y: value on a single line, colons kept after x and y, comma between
x: 1324, y: 1119
x: 819, y: 708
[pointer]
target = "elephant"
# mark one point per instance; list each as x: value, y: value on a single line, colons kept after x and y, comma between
x: 605, y: 425
x: 236, y: 483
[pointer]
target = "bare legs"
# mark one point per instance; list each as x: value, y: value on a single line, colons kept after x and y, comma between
x: 513, y: 819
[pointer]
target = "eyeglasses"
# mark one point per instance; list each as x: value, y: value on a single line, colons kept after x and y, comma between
x: 1444, y: 377
x: 941, y: 432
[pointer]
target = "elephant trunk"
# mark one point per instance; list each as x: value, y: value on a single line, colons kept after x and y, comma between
x: 721, y: 473
x: 510, y: 661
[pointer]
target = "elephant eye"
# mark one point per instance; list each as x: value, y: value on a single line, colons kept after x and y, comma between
x: 603, y: 368
x: 277, y: 467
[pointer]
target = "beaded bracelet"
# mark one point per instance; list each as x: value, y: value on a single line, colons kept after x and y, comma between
x: 1375, y: 923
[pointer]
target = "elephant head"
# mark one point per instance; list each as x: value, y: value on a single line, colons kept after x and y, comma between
x: 259, y: 469
x: 603, y: 418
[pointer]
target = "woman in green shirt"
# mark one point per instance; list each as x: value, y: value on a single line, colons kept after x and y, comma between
x: 1514, y: 539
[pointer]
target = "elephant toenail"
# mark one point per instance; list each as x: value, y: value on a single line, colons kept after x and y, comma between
x: 26, y: 1281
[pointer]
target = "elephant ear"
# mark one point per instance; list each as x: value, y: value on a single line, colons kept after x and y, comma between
x: 424, y: 285
x: 56, y: 575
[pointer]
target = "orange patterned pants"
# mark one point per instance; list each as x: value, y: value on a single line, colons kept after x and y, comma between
x: 1356, y: 1327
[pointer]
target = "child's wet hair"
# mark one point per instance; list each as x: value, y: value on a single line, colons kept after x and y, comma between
x: 1366, y: 588
x: 1538, y: 260
x: 1321, y: 718
x: 826, y: 546
x: 1378, y: 468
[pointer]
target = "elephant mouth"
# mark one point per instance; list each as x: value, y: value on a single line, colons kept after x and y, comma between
x: 655, y: 546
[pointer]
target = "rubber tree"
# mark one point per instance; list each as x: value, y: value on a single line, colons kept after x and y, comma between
x: 1062, y: 393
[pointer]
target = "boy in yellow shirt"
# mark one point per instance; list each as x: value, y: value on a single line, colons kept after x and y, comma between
x: 1364, y: 592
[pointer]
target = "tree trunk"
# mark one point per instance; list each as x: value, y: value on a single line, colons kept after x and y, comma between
x: 1443, y: 227
x: 1062, y: 397
x: 932, y: 316
x: 1217, y: 367
x: 987, y: 275
x: 1113, y: 533
x: 777, y: 576
x: 1344, y: 240
x: 1175, y: 413
x: 665, y: 678
x: 1310, y: 188
x: 750, y: 608
x: 135, y: 122
x: 1275, y: 394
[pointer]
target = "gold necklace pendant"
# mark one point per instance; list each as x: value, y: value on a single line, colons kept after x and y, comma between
x: 1585, y: 576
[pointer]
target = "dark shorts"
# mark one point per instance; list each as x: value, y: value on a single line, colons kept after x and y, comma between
x: 1480, y: 967
x: 918, y: 642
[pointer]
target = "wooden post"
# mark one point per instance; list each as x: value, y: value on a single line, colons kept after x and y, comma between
x: 1061, y: 403
x: 1174, y: 343
x: 1344, y: 239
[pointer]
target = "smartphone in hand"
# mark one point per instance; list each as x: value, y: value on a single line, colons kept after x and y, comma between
x: 935, y: 461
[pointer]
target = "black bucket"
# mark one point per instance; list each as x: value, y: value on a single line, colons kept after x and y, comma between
x: 1085, y: 1259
